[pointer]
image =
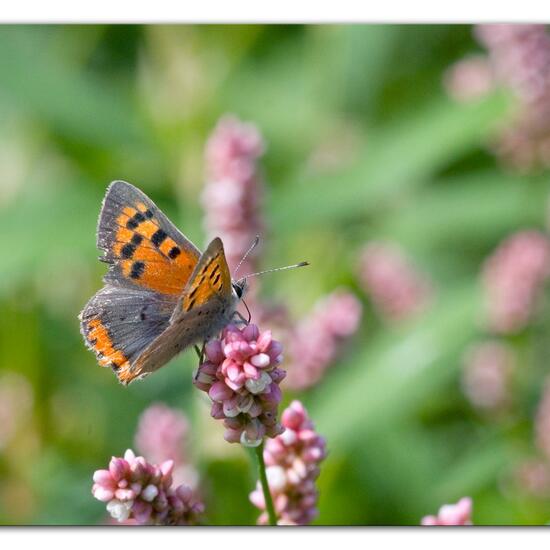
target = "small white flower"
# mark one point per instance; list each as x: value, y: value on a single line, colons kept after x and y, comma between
x: 245, y: 403
x: 258, y: 386
x: 119, y: 510
x: 249, y: 442
x: 260, y: 360
x: 149, y: 493
x: 230, y: 409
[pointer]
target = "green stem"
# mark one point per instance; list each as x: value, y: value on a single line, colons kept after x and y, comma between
x: 265, y: 487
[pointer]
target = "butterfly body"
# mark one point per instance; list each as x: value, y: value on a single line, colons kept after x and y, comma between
x: 161, y: 295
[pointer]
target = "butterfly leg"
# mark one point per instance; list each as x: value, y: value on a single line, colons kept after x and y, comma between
x: 240, y: 319
x: 200, y: 352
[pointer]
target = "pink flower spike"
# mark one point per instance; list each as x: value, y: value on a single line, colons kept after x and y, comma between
x: 291, y: 470
x: 145, y: 494
x: 244, y: 394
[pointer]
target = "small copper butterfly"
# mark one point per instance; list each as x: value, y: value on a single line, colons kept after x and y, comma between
x: 161, y: 295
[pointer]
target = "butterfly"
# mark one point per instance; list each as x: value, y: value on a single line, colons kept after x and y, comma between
x: 161, y: 295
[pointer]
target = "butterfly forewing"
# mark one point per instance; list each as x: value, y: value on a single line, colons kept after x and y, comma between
x: 160, y: 295
x: 142, y: 246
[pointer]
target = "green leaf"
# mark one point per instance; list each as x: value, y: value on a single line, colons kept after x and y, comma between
x: 398, y: 158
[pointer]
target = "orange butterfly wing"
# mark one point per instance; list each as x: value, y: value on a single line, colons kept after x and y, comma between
x: 144, y: 249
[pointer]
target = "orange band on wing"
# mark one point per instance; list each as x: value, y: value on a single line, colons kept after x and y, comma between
x: 99, y: 339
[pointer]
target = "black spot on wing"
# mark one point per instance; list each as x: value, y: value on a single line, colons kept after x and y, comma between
x: 135, y: 220
x: 127, y: 250
x: 137, y: 270
x: 174, y: 252
x: 158, y: 237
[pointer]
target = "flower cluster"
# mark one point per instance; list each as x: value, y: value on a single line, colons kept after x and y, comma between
x: 513, y: 277
x: 488, y: 367
x: 242, y: 378
x: 136, y: 490
x: 161, y: 435
x: 520, y: 59
x: 292, y: 461
x: 233, y: 193
x: 452, y: 514
x: 397, y: 290
x: 318, y: 339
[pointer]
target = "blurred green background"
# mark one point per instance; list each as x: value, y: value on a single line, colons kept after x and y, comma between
x: 363, y: 143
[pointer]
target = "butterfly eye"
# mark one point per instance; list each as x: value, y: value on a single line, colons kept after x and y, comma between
x: 238, y: 290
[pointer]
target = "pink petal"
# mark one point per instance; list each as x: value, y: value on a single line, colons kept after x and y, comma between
x: 264, y: 340
x: 220, y: 392
x: 102, y: 494
x: 103, y: 477
x: 251, y: 371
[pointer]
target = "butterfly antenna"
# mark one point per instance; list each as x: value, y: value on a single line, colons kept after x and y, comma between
x: 301, y: 264
x: 252, y: 247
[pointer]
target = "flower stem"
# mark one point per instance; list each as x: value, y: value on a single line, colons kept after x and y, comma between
x: 265, y: 486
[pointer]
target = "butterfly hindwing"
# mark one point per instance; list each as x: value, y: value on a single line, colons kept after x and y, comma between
x: 210, y: 280
x: 144, y: 249
x: 118, y: 323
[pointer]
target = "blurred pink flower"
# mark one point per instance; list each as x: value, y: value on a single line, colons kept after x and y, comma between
x: 513, y: 278
x: 137, y: 490
x: 452, y: 514
x: 533, y: 476
x: 469, y: 79
x: 233, y: 192
x: 292, y: 460
x: 161, y: 435
x: 318, y: 339
x: 396, y: 288
x: 486, y: 378
x: 242, y: 378
x: 520, y: 58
